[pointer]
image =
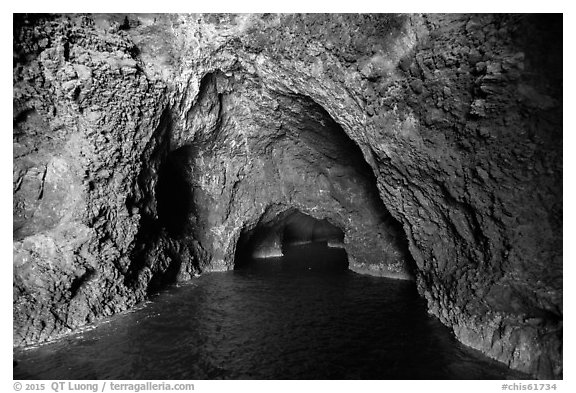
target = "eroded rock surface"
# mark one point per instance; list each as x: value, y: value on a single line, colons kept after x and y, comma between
x: 144, y: 146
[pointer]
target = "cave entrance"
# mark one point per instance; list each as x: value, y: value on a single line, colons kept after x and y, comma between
x: 292, y: 155
x: 296, y: 241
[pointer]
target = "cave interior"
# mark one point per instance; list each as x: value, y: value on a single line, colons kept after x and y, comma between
x: 294, y: 159
x: 426, y: 147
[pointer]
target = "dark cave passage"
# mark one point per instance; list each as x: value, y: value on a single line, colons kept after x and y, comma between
x: 301, y: 228
x: 174, y: 192
x: 299, y: 240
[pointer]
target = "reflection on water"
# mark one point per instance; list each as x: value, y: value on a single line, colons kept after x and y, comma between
x: 284, y: 318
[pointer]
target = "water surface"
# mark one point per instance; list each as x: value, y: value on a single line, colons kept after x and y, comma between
x: 303, y: 316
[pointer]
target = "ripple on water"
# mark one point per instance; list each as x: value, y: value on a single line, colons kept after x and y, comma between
x: 268, y: 321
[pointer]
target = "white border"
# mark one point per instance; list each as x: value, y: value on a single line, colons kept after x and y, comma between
x: 355, y: 6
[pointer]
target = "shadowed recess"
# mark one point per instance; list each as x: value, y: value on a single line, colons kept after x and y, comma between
x: 293, y: 238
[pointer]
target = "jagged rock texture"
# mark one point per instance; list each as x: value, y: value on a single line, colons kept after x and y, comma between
x: 145, y: 144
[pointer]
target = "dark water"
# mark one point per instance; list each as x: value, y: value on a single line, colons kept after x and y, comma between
x: 288, y: 318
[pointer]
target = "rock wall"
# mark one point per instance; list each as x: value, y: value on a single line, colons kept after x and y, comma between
x: 82, y: 108
x: 144, y: 145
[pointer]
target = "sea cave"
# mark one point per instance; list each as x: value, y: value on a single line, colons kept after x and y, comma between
x: 420, y: 152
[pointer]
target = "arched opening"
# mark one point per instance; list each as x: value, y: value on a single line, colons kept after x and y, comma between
x: 295, y: 240
x: 295, y: 155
